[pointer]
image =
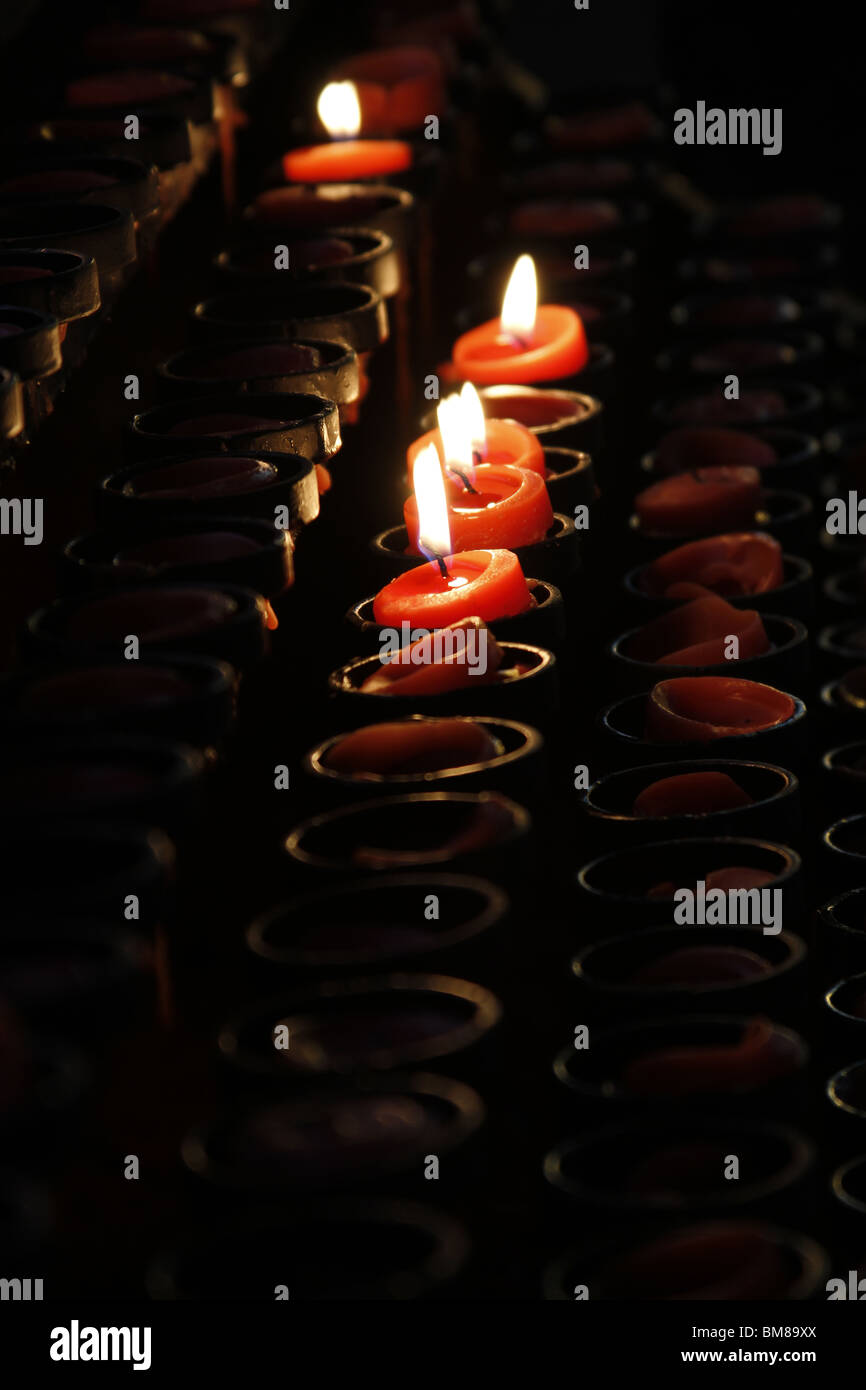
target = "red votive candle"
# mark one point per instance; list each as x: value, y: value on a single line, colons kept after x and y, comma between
x: 697, y: 634
x: 760, y: 1056
x: 604, y: 128
x: 347, y: 158
x: 741, y: 562
x: 699, y: 708
x: 419, y: 669
x: 705, y: 500
x: 505, y: 441
x: 553, y: 217
x: 751, y: 408
x: 526, y: 343
x: 689, y: 794
x: 702, y: 965
x: 409, y: 746
x: 710, y: 448
x: 507, y: 507
x: 487, y: 584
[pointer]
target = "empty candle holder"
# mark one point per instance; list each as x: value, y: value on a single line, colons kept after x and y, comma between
x: 184, y: 486
x: 628, y: 1173
x: 844, y: 1034
x: 778, y: 736
x: 725, y: 1261
x: 382, y: 924
x: 356, y: 1148
x: 342, y: 313
x: 313, y: 209
x: 191, y: 699
x: 127, y: 184
x: 707, y: 796
x: 525, y: 686
x: 559, y: 417
x: 666, y: 971
x: 843, y: 856
x: 841, y: 930
x: 843, y: 777
x: 846, y: 1094
x: 283, y: 424
x: 358, y: 255
x: 266, y: 366
x: 840, y: 649
x: 357, y: 1027
x: 767, y: 404
x: 419, y: 1253
x: 474, y: 832
x: 637, y: 884
x: 62, y: 284
x: 421, y: 753
x: 223, y: 621
x: 89, y: 229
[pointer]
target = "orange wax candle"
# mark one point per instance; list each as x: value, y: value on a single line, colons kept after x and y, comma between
x: 699, y: 708
x: 555, y: 348
x: 506, y: 442
x: 425, y: 668
x: 488, y: 584
x: 508, y: 507
x: 690, y: 794
x: 344, y: 161
x: 741, y: 562
x: 705, y: 500
x: 697, y: 634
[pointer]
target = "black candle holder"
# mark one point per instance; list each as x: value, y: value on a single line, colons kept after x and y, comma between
x: 775, y: 808
x: 343, y: 841
x: 557, y: 557
x: 88, y: 981
x: 529, y: 690
x: 846, y: 1093
x: 789, y: 516
x: 570, y: 480
x: 604, y: 974
x: 376, y: 925
x: 614, y: 266
x: 515, y: 767
x: 30, y: 348
x: 594, y: 1171
x: 843, y: 778
x: 283, y: 424
x: 94, y: 866
x: 154, y: 783
x: 842, y: 646
x: 609, y: 907
x: 308, y: 209
x: 543, y: 624
x: 845, y: 1026
x: 786, y: 664
x: 742, y: 268
x: 592, y: 1076
x: 264, y: 1148
x: 90, y: 229
x: 623, y: 724
x: 841, y: 930
x: 350, y: 314
x: 600, y: 222
x: 209, y: 370
x: 757, y: 313
x: 740, y: 223
x: 196, y: 702
x: 794, y: 597
x: 163, y: 140
x: 239, y: 634
x: 843, y: 704
x: 802, y: 1266
x: 133, y: 185
x: 374, y: 262
x: 799, y: 465
x: 419, y: 1252
x: 264, y: 563
x: 68, y: 292
x: 12, y: 420
x: 771, y: 404
x: 844, y: 853
x: 120, y: 502
x: 467, y: 1016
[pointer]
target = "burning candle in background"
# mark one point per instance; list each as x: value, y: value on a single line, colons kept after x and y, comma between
x: 527, y: 343
x: 493, y: 440
x: 347, y: 158
x: 485, y: 583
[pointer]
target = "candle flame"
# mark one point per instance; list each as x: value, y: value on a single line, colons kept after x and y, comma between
x: 456, y: 435
x: 473, y: 412
x: 339, y: 109
x: 520, y: 301
x: 434, y: 533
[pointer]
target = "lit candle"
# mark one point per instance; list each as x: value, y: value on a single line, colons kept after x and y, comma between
x: 346, y: 158
x: 488, y: 504
x: 527, y: 342
x: 493, y: 441
x: 485, y: 583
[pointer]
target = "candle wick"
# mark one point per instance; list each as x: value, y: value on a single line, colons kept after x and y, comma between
x: 464, y: 480
x: 477, y: 457
x: 443, y: 569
